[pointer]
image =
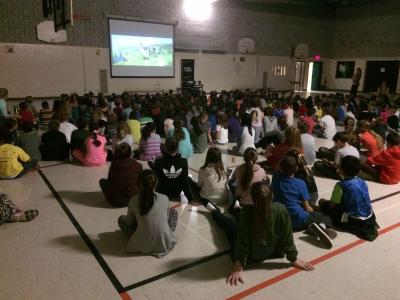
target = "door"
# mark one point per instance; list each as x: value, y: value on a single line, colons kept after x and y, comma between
x: 378, y: 71
x: 316, y: 76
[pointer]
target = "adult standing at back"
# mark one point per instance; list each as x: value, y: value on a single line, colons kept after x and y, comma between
x: 356, y: 82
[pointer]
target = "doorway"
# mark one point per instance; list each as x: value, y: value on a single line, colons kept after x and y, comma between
x: 316, y: 76
x: 379, y: 71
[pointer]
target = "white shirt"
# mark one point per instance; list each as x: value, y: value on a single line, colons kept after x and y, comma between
x: 211, y: 188
x: 288, y: 113
x: 270, y: 123
x: 308, y: 143
x: 347, y: 150
x: 67, y: 128
x: 223, y: 135
x: 247, y: 140
x: 327, y: 122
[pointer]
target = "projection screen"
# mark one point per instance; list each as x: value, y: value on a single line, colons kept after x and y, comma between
x: 141, y: 49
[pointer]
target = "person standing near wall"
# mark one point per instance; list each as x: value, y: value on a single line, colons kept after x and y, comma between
x: 356, y: 82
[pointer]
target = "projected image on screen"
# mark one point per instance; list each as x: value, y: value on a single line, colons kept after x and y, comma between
x: 142, y: 51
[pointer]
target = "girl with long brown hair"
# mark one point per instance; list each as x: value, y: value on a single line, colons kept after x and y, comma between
x: 150, y: 223
x: 212, y: 179
x: 264, y: 231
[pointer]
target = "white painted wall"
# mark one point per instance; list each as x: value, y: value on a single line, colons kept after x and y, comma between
x: 48, y: 71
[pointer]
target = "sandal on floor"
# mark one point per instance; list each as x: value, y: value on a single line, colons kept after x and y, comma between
x: 31, y: 214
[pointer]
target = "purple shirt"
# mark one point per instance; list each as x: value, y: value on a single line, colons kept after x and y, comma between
x: 234, y: 133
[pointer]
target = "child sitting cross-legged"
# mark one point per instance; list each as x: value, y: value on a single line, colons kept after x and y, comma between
x: 293, y: 193
x: 350, y: 206
x: 95, y: 154
x: 121, y: 183
x: 343, y: 148
x: 385, y: 167
x: 150, y: 223
x: 14, y: 162
x: 54, y: 143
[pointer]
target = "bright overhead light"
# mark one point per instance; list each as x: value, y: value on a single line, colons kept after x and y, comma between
x: 198, y: 10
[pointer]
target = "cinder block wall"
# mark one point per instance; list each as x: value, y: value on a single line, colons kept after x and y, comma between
x: 274, y: 27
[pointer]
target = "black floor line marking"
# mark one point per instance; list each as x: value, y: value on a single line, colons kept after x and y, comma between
x: 49, y: 166
x: 174, y: 271
x: 107, y: 270
x: 385, y: 197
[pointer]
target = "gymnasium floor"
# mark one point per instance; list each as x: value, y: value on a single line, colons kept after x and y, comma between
x: 74, y: 250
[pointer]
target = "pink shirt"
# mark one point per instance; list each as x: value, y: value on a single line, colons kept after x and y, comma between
x: 310, y: 122
x: 258, y: 175
x: 96, y: 156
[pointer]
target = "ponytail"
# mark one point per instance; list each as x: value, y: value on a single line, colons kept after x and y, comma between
x: 250, y: 158
x: 147, y: 182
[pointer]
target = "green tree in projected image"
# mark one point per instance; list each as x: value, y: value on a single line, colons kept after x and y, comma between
x: 142, y: 51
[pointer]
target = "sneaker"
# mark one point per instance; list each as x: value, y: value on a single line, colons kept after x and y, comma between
x: 321, y: 234
x: 30, y: 214
x: 329, y: 231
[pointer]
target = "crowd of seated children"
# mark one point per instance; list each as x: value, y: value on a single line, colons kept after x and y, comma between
x: 264, y: 215
x: 121, y: 184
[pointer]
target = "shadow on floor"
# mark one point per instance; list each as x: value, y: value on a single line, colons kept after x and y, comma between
x: 108, y: 243
x: 212, y: 270
x: 91, y: 199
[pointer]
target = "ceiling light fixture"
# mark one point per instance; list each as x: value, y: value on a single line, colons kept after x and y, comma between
x: 198, y: 10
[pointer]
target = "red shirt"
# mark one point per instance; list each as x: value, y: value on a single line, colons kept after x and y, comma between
x: 310, y: 122
x: 26, y: 116
x: 388, y: 162
x: 370, y: 143
x: 302, y: 109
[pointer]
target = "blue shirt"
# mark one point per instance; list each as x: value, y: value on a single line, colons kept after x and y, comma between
x: 212, y: 119
x: 291, y: 192
x: 185, y: 146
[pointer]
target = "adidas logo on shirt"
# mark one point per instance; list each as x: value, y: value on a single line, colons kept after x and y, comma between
x: 172, y: 173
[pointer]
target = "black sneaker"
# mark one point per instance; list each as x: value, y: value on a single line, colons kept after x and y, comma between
x: 320, y: 232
